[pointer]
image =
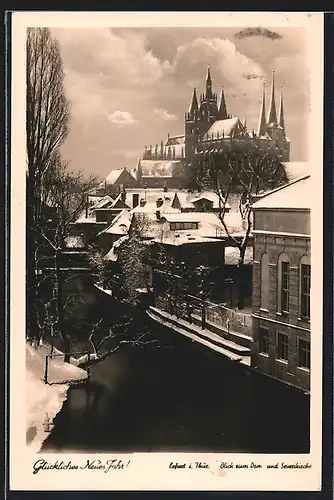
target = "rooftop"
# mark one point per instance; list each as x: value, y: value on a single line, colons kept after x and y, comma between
x: 295, y: 195
x: 159, y: 168
x: 188, y: 200
x: 222, y: 128
x: 120, y: 224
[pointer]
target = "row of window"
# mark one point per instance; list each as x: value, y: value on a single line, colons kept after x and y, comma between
x: 179, y: 226
x: 282, y: 347
x: 283, y: 285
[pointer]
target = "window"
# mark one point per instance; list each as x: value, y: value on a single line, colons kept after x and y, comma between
x: 304, y: 354
x: 285, y: 287
x: 305, y: 288
x: 181, y: 226
x: 264, y: 340
x: 282, y: 346
x: 264, y: 282
x: 283, y: 283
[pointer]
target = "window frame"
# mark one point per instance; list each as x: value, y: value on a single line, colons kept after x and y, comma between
x: 278, y: 344
x: 282, y: 261
x: 264, y: 298
x: 308, y: 354
x: 284, y: 291
x: 305, y: 262
x: 267, y: 337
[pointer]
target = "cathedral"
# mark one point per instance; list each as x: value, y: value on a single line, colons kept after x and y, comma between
x: 209, y: 127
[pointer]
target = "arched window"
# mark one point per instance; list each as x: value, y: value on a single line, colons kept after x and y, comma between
x: 264, y: 282
x: 283, y: 283
x: 304, y: 287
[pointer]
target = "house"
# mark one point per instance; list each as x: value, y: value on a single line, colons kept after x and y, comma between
x: 117, y: 228
x: 206, y: 201
x: 108, y: 213
x: 117, y: 180
x: 282, y: 283
x: 97, y: 216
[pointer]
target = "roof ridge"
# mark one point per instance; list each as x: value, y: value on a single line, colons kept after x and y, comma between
x: 290, y: 183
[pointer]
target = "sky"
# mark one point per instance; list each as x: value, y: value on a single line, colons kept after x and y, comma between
x: 130, y: 87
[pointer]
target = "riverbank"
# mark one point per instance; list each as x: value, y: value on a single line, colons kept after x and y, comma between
x: 44, y: 401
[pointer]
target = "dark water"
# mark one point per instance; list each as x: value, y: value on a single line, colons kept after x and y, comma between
x: 180, y: 398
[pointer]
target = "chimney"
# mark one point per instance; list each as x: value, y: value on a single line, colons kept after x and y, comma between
x: 86, y: 214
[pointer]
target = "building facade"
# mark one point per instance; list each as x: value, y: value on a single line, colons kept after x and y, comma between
x: 282, y: 284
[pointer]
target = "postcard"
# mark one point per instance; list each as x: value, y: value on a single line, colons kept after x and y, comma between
x: 166, y: 212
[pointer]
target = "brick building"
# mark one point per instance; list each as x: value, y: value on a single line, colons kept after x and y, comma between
x: 282, y: 283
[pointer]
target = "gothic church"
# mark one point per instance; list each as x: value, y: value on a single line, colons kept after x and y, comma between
x: 209, y: 127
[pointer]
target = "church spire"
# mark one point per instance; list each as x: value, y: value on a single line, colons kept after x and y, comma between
x: 281, y: 112
x: 272, y: 117
x: 222, y: 106
x: 208, y: 85
x: 261, y: 130
x: 193, y: 108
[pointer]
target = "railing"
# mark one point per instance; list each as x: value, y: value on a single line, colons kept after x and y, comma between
x: 207, y: 312
x: 227, y: 318
x: 61, y: 355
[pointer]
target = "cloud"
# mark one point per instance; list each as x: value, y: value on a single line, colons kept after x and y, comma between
x: 150, y: 74
x: 163, y: 114
x: 122, y: 118
x: 227, y: 64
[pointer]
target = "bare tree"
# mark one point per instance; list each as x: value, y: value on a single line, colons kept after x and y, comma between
x: 65, y: 193
x: 47, y: 118
x: 247, y: 173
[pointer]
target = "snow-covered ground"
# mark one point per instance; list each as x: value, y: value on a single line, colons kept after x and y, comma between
x: 44, y: 401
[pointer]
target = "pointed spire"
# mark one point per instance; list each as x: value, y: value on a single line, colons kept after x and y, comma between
x: 222, y: 106
x: 193, y: 108
x: 208, y: 85
x: 281, y: 112
x: 272, y: 117
x: 261, y: 130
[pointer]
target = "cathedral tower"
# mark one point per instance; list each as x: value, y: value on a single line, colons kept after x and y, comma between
x: 191, y: 127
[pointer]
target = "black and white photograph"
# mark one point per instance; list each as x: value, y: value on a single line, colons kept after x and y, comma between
x: 166, y: 239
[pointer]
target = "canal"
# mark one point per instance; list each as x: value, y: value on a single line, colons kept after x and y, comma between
x: 179, y: 396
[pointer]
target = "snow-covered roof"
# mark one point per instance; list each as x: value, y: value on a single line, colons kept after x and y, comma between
x: 159, y: 168
x: 295, y: 195
x: 120, y: 224
x: 94, y: 198
x: 114, y: 175
x: 103, y: 202
x: 232, y: 256
x: 118, y: 200
x: 208, y: 195
x: 151, y: 208
x: 222, y: 128
x: 186, y: 238
x: 297, y: 169
x: 112, y: 254
x: 88, y: 218
x: 209, y: 223
x: 187, y: 200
